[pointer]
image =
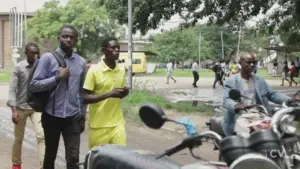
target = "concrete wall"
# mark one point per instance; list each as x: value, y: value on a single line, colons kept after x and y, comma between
x: 136, y: 45
x: 7, y: 60
x: 280, y: 59
x: 5, y: 51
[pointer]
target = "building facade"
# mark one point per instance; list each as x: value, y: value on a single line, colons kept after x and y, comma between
x: 136, y: 45
x: 5, y: 40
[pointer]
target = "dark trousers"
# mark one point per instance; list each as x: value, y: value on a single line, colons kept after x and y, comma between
x: 70, y: 130
x: 196, y: 77
x: 218, y: 78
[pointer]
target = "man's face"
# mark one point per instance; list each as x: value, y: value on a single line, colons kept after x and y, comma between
x: 67, y: 39
x: 112, y: 50
x: 32, y: 53
x: 248, y: 63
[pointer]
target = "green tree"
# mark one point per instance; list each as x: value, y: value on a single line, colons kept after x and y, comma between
x: 149, y: 14
x: 183, y: 44
x: 92, y: 23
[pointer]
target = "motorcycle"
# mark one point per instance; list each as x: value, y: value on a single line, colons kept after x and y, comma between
x: 255, y: 117
x: 238, y: 152
x: 284, y: 124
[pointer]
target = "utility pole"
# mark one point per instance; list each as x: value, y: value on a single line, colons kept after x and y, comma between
x: 199, y: 48
x: 25, y: 22
x: 239, y: 41
x: 222, y: 45
x: 130, y: 6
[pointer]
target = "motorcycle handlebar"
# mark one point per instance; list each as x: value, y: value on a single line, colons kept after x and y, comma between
x: 265, y: 111
x: 191, y: 142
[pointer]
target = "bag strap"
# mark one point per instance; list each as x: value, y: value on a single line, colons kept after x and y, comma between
x: 59, y: 59
x: 61, y: 63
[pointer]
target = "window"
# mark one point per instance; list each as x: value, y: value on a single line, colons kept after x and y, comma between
x: 136, y: 61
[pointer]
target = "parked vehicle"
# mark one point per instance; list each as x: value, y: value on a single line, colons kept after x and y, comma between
x: 256, y: 117
x: 238, y: 152
x: 283, y: 123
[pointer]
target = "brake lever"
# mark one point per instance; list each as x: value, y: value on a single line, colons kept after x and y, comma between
x: 193, y: 155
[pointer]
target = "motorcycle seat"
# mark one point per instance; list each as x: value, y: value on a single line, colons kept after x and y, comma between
x: 111, y: 156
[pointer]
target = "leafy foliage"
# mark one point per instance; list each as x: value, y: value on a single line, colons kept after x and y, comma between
x: 149, y: 14
x: 183, y: 44
x: 92, y: 23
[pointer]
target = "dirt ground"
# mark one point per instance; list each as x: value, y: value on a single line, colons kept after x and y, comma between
x: 139, y: 137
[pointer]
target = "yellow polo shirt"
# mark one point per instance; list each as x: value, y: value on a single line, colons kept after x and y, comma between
x: 101, y: 79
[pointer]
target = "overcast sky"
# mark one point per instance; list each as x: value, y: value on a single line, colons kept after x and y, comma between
x: 32, y: 5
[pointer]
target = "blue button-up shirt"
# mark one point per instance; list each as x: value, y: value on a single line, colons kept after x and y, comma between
x: 67, y: 91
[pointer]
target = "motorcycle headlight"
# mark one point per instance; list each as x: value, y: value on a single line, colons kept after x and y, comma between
x: 288, y: 124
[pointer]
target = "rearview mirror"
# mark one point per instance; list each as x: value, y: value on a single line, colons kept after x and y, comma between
x: 152, y: 115
x: 234, y: 94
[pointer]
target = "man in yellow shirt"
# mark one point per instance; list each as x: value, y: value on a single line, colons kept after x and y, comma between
x: 104, y: 87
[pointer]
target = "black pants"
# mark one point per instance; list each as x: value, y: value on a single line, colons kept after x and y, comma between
x: 196, y: 77
x: 218, y: 78
x: 70, y: 129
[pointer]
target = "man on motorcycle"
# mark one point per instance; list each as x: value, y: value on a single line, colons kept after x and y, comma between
x: 251, y: 86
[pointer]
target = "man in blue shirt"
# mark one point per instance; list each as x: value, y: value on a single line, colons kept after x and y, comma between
x: 250, y: 85
x: 63, y: 113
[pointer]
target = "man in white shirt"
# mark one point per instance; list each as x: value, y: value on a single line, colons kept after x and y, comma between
x: 195, y: 70
x: 169, y: 71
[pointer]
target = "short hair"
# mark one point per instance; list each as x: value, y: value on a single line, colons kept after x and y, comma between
x: 292, y: 63
x: 28, y: 45
x: 106, y: 40
x: 242, y: 56
x: 70, y: 27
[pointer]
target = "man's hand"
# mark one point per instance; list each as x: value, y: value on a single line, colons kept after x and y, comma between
x: 15, y: 117
x: 240, y: 107
x: 125, y: 92
x: 117, y: 93
x: 63, y: 73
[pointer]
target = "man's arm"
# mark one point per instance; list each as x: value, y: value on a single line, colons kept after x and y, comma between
x: 81, y: 92
x: 228, y: 103
x: 13, y: 87
x: 40, y: 82
x: 89, y: 85
x: 274, y: 96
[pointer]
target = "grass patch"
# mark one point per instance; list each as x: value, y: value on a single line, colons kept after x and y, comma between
x: 140, y: 96
x: 5, y: 75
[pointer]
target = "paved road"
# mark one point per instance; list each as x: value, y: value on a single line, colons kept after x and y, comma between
x: 182, y: 90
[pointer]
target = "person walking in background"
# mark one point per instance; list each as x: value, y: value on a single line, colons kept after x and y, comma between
x: 64, y: 114
x: 195, y: 71
x: 255, y: 68
x: 297, y: 64
x: 223, y: 64
x: 218, y: 74
x: 234, y: 68
x: 275, y: 67
x: 170, y: 67
x: 293, y: 72
x: 21, y: 110
x: 285, y: 71
x: 89, y: 64
x: 104, y: 87
x: 226, y: 69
